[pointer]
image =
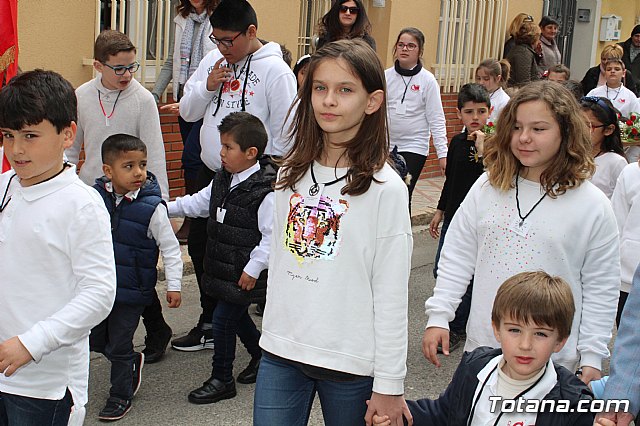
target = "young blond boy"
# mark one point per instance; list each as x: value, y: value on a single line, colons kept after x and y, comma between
x: 58, y: 276
x: 112, y: 103
x: 531, y: 318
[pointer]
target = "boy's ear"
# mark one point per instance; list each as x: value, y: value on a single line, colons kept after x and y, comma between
x: 458, y: 114
x: 251, y: 153
x: 496, y: 331
x: 98, y: 66
x: 106, y: 169
x: 252, y: 32
x: 69, y: 134
x: 375, y: 101
x: 560, y: 344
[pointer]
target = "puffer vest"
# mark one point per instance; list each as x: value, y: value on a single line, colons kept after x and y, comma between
x: 136, y: 254
x: 229, y: 244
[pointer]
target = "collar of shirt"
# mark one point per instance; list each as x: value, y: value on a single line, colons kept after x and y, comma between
x: 238, y: 178
x: 33, y: 192
x: 131, y: 195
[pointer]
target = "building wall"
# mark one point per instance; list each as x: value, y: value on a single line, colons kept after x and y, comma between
x: 629, y: 10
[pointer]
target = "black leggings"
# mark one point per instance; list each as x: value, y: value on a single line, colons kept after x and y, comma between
x: 415, y: 163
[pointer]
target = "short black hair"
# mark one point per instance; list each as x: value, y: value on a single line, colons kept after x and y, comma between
x: 35, y: 96
x: 247, y: 131
x: 233, y: 15
x: 116, y: 145
x: 473, y: 92
x: 548, y: 20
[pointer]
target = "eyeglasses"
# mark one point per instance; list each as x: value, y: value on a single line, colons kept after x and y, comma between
x: 226, y: 42
x: 409, y: 46
x: 351, y: 10
x: 592, y: 127
x: 121, y: 69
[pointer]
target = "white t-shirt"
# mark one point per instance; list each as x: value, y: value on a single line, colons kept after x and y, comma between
x: 499, y: 100
x: 573, y: 236
x: 623, y: 99
x: 608, y: 168
x: 338, y: 278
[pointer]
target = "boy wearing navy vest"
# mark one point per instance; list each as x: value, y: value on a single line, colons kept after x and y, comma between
x: 141, y: 230
x: 239, y: 204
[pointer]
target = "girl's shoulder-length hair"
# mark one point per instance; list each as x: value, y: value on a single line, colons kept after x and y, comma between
x: 368, y: 151
x: 569, y: 168
x: 329, y: 26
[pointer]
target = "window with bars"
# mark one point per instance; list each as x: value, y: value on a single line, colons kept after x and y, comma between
x: 311, y: 11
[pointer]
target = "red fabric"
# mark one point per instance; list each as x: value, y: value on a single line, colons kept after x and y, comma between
x: 8, y: 39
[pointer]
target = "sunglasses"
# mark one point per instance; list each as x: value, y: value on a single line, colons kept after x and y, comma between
x: 351, y: 10
x: 121, y: 69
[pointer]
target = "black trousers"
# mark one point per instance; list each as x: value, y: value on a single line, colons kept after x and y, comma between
x: 415, y: 163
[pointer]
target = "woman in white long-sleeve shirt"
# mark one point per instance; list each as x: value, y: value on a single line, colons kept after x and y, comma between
x: 414, y: 106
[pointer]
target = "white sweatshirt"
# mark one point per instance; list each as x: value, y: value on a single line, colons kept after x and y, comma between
x: 338, y: 278
x: 609, y: 165
x: 626, y: 206
x: 57, y: 281
x: 573, y: 236
x: 499, y: 99
x: 420, y: 116
x: 270, y: 90
x: 135, y: 113
x: 623, y: 99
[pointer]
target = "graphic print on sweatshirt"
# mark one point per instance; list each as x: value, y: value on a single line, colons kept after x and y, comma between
x: 314, y: 232
x: 234, y: 90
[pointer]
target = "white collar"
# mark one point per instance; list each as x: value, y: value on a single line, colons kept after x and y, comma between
x: 238, y: 178
x: 131, y: 195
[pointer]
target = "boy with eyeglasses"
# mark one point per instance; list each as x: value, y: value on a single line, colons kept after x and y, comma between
x: 243, y: 74
x: 112, y: 103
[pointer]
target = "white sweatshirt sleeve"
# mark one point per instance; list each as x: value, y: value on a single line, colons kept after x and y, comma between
x: 457, y: 261
x: 435, y: 116
x: 196, y: 98
x: 390, y: 287
x: 259, y: 257
x: 93, y: 265
x: 282, y: 92
x: 196, y: 205
x: 151, y: 135
x: 161, y: 231
x: 619, y: 202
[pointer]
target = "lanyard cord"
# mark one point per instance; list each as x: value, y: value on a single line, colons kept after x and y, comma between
x: 315, y: 188
x: 617, y: 93
x: 406, y: 86
x: 114, y: 105
x: 246, y: 65
x: 522, y: 219
x: 4, y: 205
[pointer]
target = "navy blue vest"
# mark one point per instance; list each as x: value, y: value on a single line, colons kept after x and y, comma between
x: 136, y: 254
x: 229, y: 244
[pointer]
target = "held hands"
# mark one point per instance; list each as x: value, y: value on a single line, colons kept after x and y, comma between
x: 174, y: 298
x: 435, y: 222
x: 430, y: 340
x: 247, y: 282
x: 612, y: 419
x: 218, y: 76
x: 388, y: 410
x: 13, y: 355
x: 171, y: 108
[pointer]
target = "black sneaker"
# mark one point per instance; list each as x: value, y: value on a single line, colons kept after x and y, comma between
x: 196, y: 340
x: 115, y: 409
x: 156, y: 344
x: 138, y: 363
x: 454, y: 341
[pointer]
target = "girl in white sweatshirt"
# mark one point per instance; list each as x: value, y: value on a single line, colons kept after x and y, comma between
x: 534, y: 209
x: 335, y: 321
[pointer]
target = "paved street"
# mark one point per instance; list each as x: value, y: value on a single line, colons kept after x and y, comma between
x: 162, y: 399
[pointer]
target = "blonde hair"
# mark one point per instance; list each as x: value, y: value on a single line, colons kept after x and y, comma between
x: 535, y: 297
x: 528, y: 33
x: 611, y: 51
x: 514, y: 26
x: 569, y: 168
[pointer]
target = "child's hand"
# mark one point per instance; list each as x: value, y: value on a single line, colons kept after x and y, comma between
x: 247, y: 282
x: 393, y: 408
x: 479, y: 136
x: 174, y: 298
x: 171, y: 108
x: 430, y: 340
x: 589, y: 374
x: 604, y: 422
x: 13, y: 355
x: 435, y: 222
x: 381, y: 420
x: 443, y: 165
x: 612, y: 419
x: 218, y: 75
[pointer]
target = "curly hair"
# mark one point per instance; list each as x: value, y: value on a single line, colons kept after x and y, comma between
x: 528, y: 33
x: 569, y: 168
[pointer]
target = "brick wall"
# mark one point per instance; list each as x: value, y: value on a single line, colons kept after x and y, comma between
x: 454, y: 126
x: 173, y: 145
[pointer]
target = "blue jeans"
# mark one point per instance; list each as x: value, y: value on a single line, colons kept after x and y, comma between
x: 284, y: 396
x: 16, y: 410
x: 113, y: 338
x: 459, y: 323
x: 230, y: 320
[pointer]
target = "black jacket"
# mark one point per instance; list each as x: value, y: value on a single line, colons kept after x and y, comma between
x: 591, y: 77
x: 453, y: 407
x: 229, y: 244
x: 634, y: 66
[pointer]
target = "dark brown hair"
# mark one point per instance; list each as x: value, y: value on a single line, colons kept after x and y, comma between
x: 569, y: 168
x: 184, y: 8
x: 110, y: 43
x: 535, y: 297
x: 368, y: 151
x: 330, y: 28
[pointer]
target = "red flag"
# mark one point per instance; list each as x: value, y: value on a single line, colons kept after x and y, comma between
x: 8, y: 50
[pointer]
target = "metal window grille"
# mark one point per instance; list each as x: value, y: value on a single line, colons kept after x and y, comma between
x: 469, y: 32
x: 311, y: 11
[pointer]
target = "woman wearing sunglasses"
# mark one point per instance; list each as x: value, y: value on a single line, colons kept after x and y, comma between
x: 345, y: 19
